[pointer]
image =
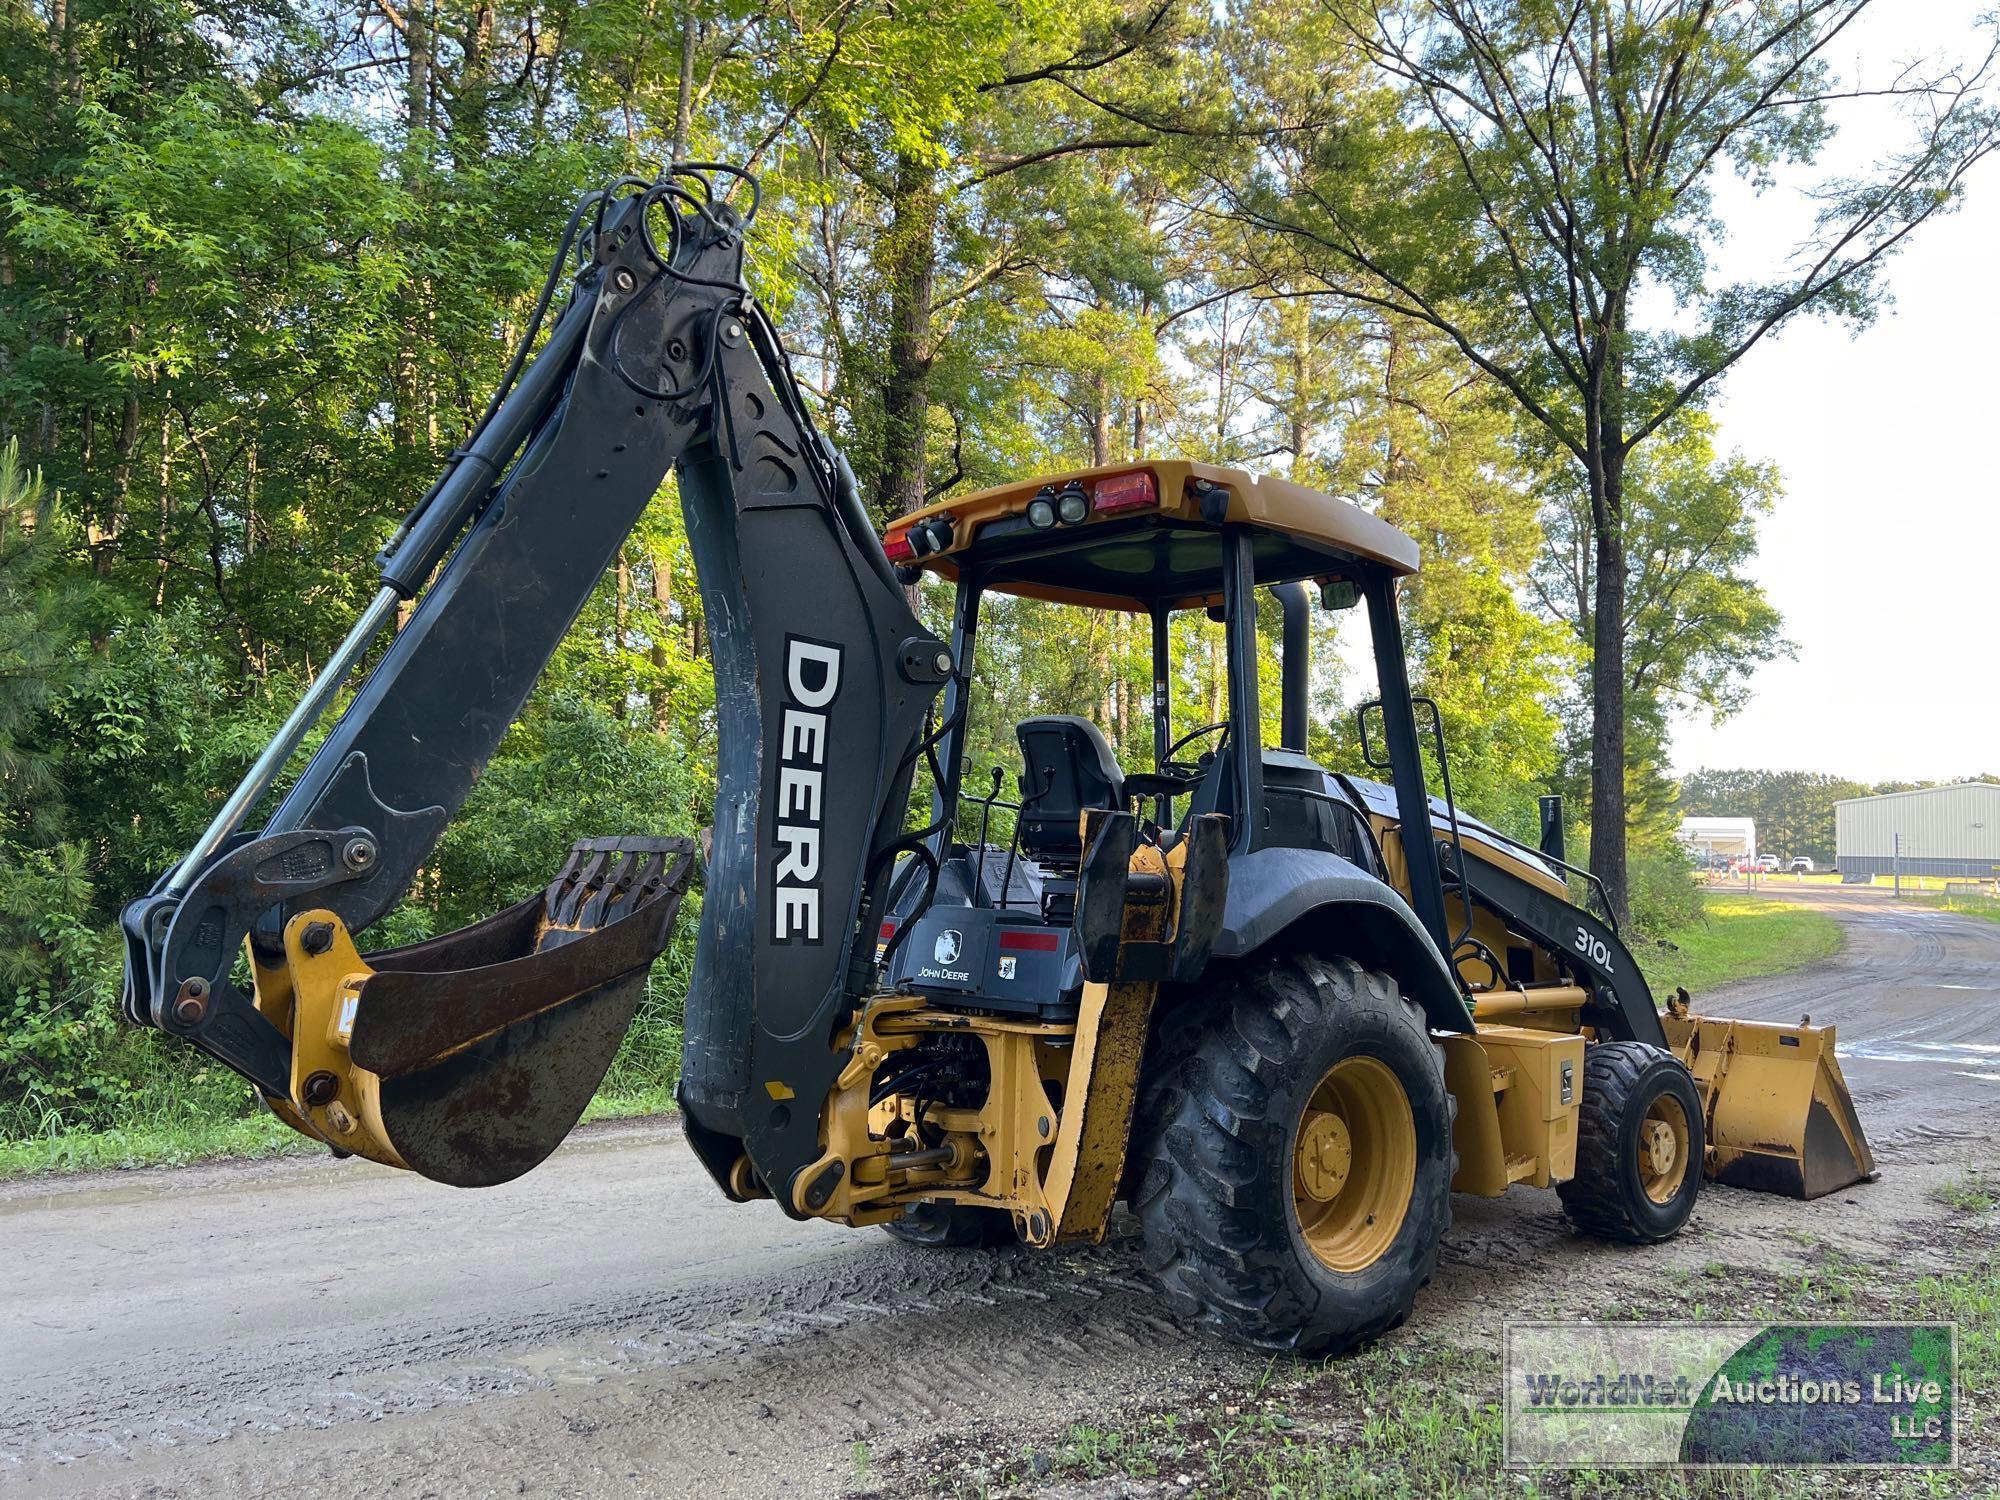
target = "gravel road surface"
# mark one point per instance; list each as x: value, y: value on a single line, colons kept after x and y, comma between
x: 611, y: 1326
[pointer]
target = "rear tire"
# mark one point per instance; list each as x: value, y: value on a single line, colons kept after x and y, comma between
x: 1296, y: 1176
x: 953, y: 1226
x: 1639, y: 1145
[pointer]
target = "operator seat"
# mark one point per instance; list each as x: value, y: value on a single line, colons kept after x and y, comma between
x: 1068, y: 767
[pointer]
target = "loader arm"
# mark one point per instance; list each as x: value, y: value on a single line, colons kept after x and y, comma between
x: 660, y: 361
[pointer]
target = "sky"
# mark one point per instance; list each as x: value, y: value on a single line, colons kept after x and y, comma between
x: 1884, y: 553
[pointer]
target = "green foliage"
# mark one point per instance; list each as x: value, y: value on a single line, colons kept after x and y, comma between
x: 568, y: 770
x: 36, y: 609
x: 1665, y: 895
x: 260, y: 265
x: 1732, y: 938
x: 1435, y: 456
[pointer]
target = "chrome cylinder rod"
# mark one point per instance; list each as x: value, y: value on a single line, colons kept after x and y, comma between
x: 259, y: 777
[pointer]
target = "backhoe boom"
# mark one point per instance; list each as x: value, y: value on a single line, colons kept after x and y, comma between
x: 660, y: 361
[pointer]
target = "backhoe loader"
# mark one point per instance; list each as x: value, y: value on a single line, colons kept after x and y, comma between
x: 1283, y: 1014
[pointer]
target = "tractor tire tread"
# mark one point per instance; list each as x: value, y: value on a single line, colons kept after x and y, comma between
x: 1203, y: 1137
x: 1597, y: 1199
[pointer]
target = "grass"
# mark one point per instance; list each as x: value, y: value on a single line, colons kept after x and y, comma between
x: 1410, y: 1430
x: 1403, y: 1419
x: 152, y: 1144
x: 204, y: 1115
x: 176, y: 1143
x: 1971, y: 906
x: 1974, y: 1193
x: 1737, y: 937
x: 1777, y: 882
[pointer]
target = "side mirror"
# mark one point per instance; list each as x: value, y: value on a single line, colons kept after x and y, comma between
x: 1339, y: 593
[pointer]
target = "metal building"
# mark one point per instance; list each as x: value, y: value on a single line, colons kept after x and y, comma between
x: 1939, y: 830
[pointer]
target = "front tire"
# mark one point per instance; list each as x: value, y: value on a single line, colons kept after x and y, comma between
x: 1639, y: 1145
x: 1296, y: 1179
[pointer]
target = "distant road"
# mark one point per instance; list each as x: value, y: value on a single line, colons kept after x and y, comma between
x: 1915, y: 993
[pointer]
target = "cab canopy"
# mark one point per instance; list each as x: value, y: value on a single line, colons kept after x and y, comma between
x: 1144, y: 536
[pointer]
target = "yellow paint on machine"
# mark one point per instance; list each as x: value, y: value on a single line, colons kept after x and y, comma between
x: 1518, y: 1091
x: 1780, y: 1118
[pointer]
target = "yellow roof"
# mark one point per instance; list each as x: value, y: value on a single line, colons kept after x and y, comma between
x: 1164, y: 554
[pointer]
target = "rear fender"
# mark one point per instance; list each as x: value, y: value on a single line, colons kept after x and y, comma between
x: 1309, y: 898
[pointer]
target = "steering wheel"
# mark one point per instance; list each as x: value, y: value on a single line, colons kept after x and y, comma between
x: 1176, y: 778
x: 1171, y: 766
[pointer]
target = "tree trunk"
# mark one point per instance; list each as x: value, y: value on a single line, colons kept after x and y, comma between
x: 165, y: 503
x: 911, y: 264
x: 417, y: 87
x: 104, y: 537
x: 1607, y: 673
x: 470, y: 104
x: 406, y: 376
x: 6, y: 356
x: 663, y: 606
x: 1100, y: 420
x: 684, y: 96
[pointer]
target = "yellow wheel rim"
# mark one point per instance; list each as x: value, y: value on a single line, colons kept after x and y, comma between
x: 1354, y: 1164
x: 1663, y: 1149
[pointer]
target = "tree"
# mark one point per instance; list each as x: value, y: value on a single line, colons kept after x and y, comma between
x: 37, y: 639
x: 989, y: 157
x: 1515, y: 176
x: 1696, y: 623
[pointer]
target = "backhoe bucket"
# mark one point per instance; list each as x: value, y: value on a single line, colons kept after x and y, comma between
x: 1780, y: 1119
x: 469, y: 1057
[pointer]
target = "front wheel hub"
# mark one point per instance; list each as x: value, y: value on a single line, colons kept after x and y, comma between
x: 1663, y: 1149
x: 1326, y: 1151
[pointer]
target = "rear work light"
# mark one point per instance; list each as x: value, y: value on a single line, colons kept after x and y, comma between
x: 920, y: 540
x: 1124, y: 492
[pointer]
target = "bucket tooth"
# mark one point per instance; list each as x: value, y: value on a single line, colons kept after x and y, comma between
x: 1780, y: 1117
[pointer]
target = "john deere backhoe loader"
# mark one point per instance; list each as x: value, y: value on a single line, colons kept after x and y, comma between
x: 1283, y: 1013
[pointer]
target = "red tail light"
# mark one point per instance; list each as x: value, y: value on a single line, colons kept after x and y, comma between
x: 897, y: 546
x: 1124, y: 492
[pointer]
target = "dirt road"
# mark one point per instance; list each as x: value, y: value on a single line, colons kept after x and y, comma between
x: 608, y: 1326
x: 1915, y: 993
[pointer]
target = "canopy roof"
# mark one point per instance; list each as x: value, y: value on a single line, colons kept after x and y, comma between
x: 1144, y: 554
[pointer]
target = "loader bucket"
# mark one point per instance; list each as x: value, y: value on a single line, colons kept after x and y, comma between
x: 469, y: 1057
x: 1780, y: 1119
